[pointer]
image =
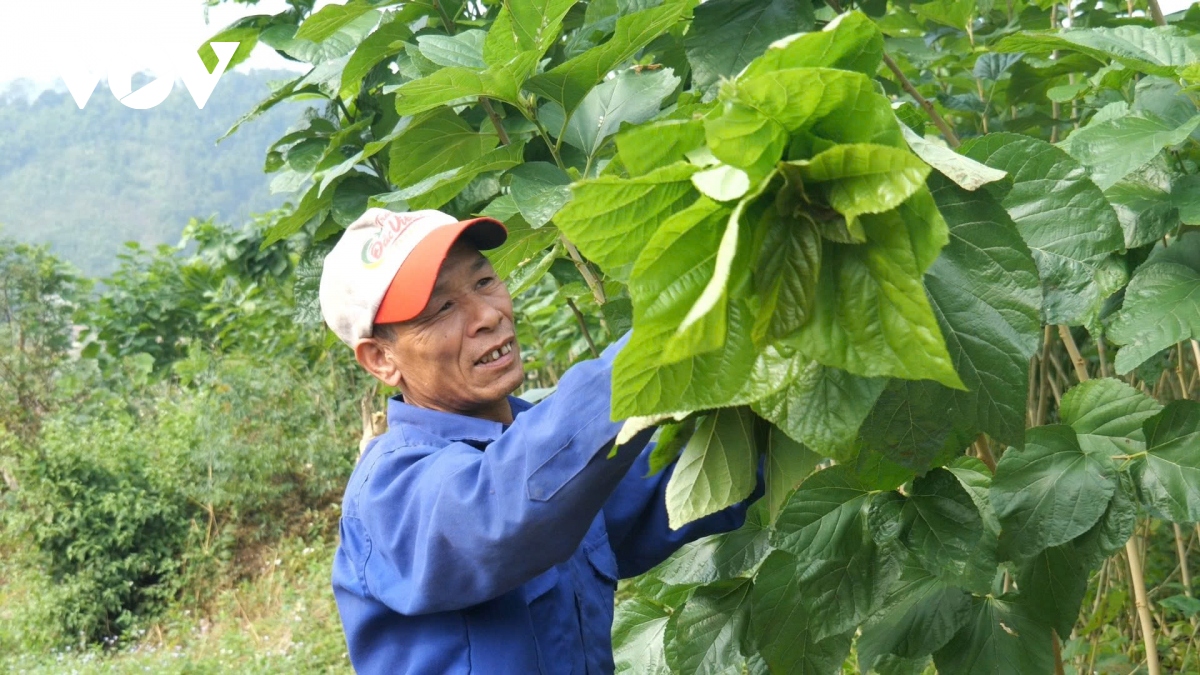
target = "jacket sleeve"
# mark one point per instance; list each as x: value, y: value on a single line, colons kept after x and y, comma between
x: 636, y: 518
x: 453, y: 527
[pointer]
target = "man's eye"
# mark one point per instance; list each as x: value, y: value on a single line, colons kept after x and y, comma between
x: 446, y: 307
x: 486, y: 281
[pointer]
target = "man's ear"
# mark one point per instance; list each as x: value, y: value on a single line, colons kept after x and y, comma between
x: 379, y: 361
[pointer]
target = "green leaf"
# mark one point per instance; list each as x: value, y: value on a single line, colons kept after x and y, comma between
x: 463, y: 49
x: 788, y: 464
x: 673, y: 269
x: 920, y: 616
x: 528, y: 274
x: 245, y: 32
x: 706, y: 316
x: 735, y: 374
x: 523, y: 245
x: 671, y: 440
x: 630, y: 97
x: 823, y: 408
x: 1157, y: 51
x: 1051, y: 491
x: 836, y: 105
x: 441, y: 188
x: 539, y: 190
x: 311, y: 204
x: 1052, y: 584
x: 1147, y: 212
x: 1114, y: 529
x: 952, y: 13
x: 782, y: 628
x: 727, y: 34
x: 938, y: 523
x: 916, y: 425
x: 568, y: 83
x: 343, y: 40
x: 611, y: 219
x: 705, y: 636
x: 1001, y: 637
x: 434, y: 145
x: 747, y: 139
x: 536, y: 23
x: 1114, y: 148
x: 871, y: 316
x: 1162, y: 304
x: 825, y: 509
x: 963, y: 170
x: 330, y: 19
x: 638, y: 628
x: 646, y: 147
x: 717, y: 468
x: 993, y: 66
x: 1107, y: 414
x: 387, y: 40
x: 1061, y: 215
x: 719, y: 557
x: 1185, y: 195
x: 785, y: 276
x: 863, y: 178
x: 984, y: 290
x: 849, y: 42
x: 843, y: 574
x: 502, y: 82
x: 1169, y: 477
x: 722, y: 182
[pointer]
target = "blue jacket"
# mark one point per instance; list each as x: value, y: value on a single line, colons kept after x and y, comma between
x: 472, y: 547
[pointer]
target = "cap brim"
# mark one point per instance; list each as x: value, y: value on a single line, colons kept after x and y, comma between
x: 410, y: 289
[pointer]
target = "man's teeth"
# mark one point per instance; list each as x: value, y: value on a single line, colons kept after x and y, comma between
x: 497, y: 353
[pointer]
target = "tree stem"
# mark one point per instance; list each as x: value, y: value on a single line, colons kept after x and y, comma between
x: 592, y: 282
x: 1184, y: 573
x: 1143, y: 605
x: 496, y: 121
x: 583, y: 326
x: 938, y: 121
x: 1058, y: 662
x: 1156, y: 13
x: 1077, y: 359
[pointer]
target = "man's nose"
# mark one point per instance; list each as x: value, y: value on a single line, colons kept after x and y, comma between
x: 484, y: 315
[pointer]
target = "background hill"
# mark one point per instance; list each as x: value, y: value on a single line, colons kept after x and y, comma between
x: 85, y: 181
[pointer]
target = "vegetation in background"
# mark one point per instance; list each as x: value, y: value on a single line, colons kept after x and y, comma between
x: 86, y: 181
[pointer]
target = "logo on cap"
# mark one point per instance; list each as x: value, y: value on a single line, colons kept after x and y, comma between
x: 390, y: 228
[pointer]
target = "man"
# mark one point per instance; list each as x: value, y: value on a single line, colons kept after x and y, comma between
x: 480, y: 533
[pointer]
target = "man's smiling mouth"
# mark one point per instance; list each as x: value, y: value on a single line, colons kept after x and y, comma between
x: 495, y: 354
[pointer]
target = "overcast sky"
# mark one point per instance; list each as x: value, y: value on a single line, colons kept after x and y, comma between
x: 36, y: 36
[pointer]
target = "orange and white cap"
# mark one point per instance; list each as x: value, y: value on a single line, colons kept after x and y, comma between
x: 384, y: 267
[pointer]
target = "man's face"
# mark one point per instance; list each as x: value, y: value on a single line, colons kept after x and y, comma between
x: 460, y: 354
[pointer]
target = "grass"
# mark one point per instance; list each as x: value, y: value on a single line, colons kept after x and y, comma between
x: 281, y: 619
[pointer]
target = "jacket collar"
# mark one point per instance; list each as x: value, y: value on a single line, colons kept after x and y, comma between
x: 450, y: 426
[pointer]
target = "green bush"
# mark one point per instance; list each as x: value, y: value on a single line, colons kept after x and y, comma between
x: 166, y: 491
x: 108, y: 521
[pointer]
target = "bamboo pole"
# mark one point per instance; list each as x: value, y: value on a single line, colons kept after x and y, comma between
x: 1184, y: 573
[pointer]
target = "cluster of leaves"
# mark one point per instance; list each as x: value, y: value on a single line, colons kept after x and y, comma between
x: 919, y: 571
x: 39, y: 295
x: 810, y: 278
x: 217, y: 288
